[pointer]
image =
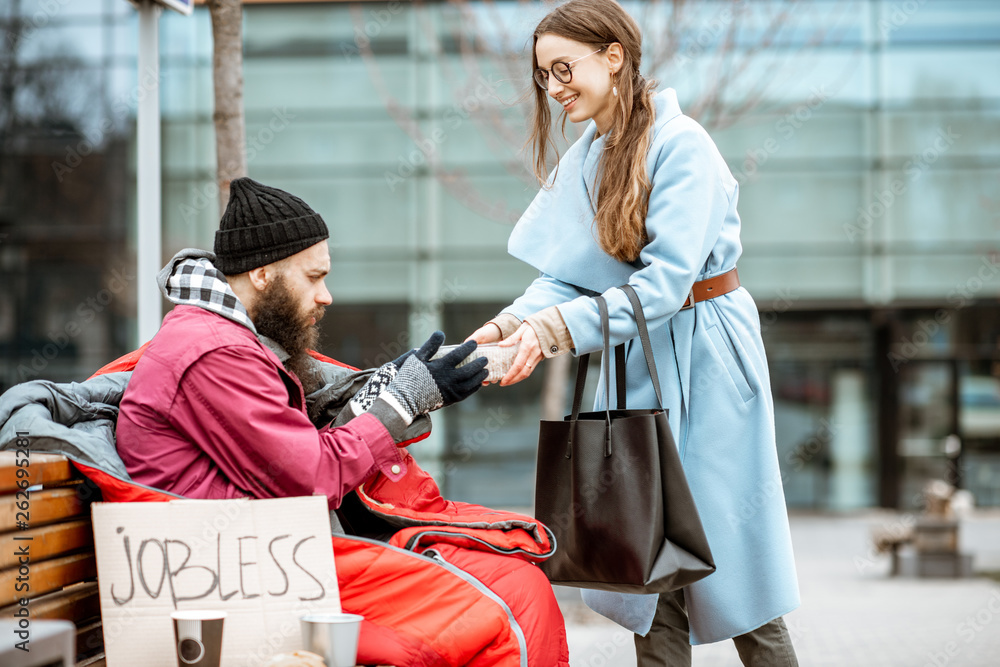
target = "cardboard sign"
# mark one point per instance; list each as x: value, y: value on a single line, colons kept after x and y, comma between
x: 266, y: 563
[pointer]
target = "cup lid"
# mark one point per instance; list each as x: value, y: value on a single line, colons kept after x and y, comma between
x: 198, y: 614
x: 332, y: 617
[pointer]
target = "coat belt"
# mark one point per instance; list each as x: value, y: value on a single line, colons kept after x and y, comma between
x: 712, y: 287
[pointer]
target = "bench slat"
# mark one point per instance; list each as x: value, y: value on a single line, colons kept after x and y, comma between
x: 42, y: 469
x: 77, y: 603
x: 47, y: 506
x: 90, y: 640
x: 48, y: 576
x: 46, y: 542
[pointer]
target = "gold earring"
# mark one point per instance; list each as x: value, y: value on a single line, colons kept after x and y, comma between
x: 614, y: 88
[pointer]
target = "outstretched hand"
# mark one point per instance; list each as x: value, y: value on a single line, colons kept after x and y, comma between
x: 528, y: 355
x: 488, y: 333
x: 454, y: 384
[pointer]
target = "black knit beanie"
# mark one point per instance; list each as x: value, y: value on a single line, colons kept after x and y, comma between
x: 262, y: 225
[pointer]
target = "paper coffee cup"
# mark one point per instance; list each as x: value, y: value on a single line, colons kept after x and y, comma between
x: 333, y: 636
x: 198, y: 637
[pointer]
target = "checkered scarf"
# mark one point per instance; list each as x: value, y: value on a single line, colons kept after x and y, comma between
x: 191, y: 279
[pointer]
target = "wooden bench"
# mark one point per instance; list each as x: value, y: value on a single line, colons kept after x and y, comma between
x: 45, y: 508
x: 57, y: 528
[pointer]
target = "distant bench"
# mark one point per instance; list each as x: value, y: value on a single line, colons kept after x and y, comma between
x: 62, y: 570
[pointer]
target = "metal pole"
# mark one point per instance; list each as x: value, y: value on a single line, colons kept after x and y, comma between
x: 148, y: 238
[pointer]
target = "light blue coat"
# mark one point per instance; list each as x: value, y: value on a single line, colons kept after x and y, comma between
x: 710, y: 359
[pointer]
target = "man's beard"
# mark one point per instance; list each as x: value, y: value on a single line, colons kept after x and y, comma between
x: 278, y: 317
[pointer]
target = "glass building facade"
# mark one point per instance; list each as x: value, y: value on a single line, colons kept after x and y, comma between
x: 865, y: 135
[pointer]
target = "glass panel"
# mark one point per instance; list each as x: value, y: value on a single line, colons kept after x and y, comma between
x: 78, y: 43
x: 800, y: 209
x: 365, y: 335
x: 371, y: 280
x: 926, y: 419
x: 284, y: 137
x: 979, y: 407
x: 186, y: 90
x: 982, y: 477
x: 941, y: 205
x: 329, y: 83
x: 185, y: 39
x: 941, y: 21
x: 821, y: 380
x: 67, y: 194
x: 804, y: 133
x: 951, y: 133
x: 477, y: 213
x: 956, y: 278
x: 942, y: 74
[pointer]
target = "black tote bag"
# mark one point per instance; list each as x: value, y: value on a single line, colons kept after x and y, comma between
x: 611, y: 488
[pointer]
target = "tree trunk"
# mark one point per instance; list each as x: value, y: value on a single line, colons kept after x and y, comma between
x: 227, y: 74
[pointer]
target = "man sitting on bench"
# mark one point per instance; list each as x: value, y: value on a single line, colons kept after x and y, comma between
x: 216, y: 408
x: 227, y: 401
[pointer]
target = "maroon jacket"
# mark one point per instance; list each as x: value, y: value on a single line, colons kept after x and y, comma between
x: 210, y: 412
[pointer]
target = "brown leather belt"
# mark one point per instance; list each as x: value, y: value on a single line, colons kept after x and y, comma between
x: 712, y: 287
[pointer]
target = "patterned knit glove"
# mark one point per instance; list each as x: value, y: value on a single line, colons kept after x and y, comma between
x: 396, y: 397
x: 423, y: 384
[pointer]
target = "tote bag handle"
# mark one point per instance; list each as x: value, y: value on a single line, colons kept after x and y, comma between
x: 581, y: 371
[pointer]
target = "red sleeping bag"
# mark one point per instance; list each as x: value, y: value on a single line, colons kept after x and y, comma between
x: 455, y: 586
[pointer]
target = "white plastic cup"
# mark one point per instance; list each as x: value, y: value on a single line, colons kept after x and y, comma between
x: 198, y: 637
x: 333, y: 636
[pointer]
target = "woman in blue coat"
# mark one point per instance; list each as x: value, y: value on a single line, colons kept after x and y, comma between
x: 645, y: 198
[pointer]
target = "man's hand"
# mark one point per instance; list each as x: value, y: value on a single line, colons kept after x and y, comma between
x: 423, y: 384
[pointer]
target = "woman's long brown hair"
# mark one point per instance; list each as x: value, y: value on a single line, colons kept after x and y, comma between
x: 623, y: 196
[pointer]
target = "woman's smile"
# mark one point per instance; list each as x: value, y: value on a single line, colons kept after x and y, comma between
x: 568, y: 102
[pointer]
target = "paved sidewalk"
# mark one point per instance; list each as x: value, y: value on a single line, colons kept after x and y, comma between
x: 852, y: 613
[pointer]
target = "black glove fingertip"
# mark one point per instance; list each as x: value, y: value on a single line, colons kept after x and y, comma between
x: 430, y: 347
x: 473, y: 368
x: 460, y: 352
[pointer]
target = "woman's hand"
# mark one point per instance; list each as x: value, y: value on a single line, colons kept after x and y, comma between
x: 488, y: 333
x: 528, y: 355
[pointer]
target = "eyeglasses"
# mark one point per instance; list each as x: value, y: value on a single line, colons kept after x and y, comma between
x: 562, y: 71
